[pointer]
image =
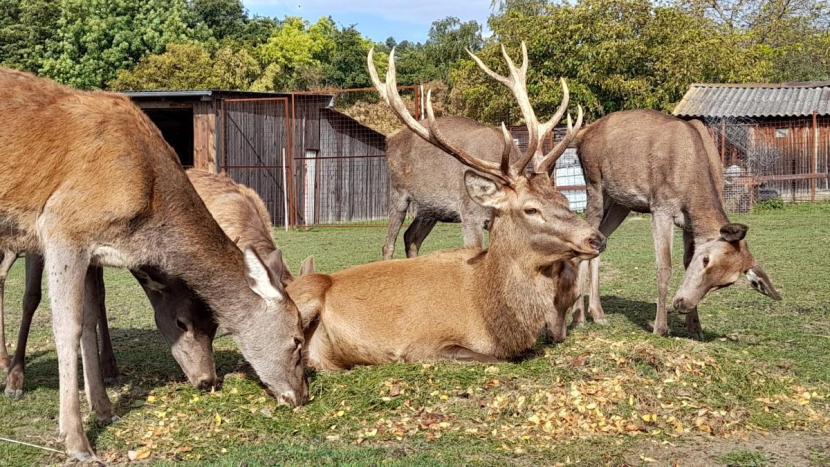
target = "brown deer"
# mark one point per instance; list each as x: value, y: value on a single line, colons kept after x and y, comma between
x: 182, y: 318
x: 468, y: 303
x: 89, y: 180
x: 646, y: 161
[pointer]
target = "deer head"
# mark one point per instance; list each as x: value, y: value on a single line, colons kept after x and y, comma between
x: 527, y: 208
x: 719, y: 263
x: 185, y: 322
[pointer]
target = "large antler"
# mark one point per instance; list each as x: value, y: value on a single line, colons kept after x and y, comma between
x: 389, y: 92
x: 537, y: 132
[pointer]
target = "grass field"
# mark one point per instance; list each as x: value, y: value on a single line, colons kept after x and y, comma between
x: 755, y: 391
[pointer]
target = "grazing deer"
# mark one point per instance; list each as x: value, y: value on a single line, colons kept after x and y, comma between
x: 468, y: 303
x: 182, y: 318
x: 89, y: 180
x: 670, y: 168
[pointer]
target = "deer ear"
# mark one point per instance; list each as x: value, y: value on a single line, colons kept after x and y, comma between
x: 483, y: 190
x: 759, y: 280
x: 261, y: 279
x: 308, y: 266
x: 733, y: 232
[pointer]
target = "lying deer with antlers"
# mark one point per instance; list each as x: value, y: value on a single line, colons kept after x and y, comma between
x: 670, y: 168
x: 182, y: 318
x: 89, y: 180
x: 464, y: 304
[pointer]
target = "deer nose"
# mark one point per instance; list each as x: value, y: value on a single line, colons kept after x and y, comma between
x: 680, y: 304
x: 288, y: 398
x: 598, y: 242
x: 205, y: 383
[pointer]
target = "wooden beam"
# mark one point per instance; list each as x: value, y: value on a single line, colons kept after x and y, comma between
x: 204, y: 137
x: 814, y: 159
x: 164, y: 104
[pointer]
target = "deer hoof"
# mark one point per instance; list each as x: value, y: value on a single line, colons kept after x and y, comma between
x: 601, y: 321
x: 698, y: 335
x: 661, y: 330
x: 111, y: 381
x: 14, y: 393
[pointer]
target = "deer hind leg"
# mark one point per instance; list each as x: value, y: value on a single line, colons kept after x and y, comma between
x: 7, y: 259
x: 398, y: 204
x: 66, y: 270
x: 661, y: 229
x: 614, y: 216
x: 463, y: 354
x: 693, y: 327
x: 96, y: 394
x: 109, y: 368
x: 31, y: 300
x: 416, y: 233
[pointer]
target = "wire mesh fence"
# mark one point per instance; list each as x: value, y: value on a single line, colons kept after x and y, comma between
x: 772, y: 161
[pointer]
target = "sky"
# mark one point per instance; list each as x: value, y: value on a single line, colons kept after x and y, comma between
x: 377, y: 20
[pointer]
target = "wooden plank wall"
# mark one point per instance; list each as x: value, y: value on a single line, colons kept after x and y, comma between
x: 204, y: 136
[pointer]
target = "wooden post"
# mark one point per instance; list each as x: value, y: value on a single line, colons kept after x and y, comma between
x: 204, y: 137
x: 814, y: 159
x: 723, y: 142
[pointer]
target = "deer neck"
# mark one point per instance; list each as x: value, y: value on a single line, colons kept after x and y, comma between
x: 515, y: 293
x: 705, y: 214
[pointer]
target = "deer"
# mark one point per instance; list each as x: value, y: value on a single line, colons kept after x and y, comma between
x: 670, y: 168
x: 182, y: 318
x: 89, y: 180
x: 399, y: 310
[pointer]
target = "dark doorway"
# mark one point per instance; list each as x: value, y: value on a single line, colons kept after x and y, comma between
x: 176, y: 126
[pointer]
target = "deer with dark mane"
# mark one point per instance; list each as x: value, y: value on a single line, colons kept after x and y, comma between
x: 89, y: 180
x: 467, y: 303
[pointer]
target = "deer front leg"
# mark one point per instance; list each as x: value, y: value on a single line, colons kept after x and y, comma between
x: 109, y: 368
x: 31, y: 300
x: 96, y: 394
x: 693, y: 327
x: 66, y: 269
x: 398, y: 204
x: 661, y: 228
x: 7, y: 259
x: 463, y: 354
x: 578, y: 309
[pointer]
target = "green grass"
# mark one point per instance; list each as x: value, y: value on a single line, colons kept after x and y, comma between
x: 751, y: 373
x: 744, y: 459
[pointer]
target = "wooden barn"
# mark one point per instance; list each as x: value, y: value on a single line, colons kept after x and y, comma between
x: 332, y: 167
x: 774, y: 138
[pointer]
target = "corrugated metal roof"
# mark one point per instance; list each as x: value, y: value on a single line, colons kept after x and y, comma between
x: 755, y: 100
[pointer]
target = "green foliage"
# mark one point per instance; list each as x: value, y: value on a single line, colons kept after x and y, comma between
x: 226, y: 18
x: 96, y: 38
x: 25, y: 28
x: 768, y: 205
x: 191, y: 66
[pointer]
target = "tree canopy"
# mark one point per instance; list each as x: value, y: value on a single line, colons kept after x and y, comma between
x: 614, y: 54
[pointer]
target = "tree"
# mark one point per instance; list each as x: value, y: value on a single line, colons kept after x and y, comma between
x: 25, y: 28
x: 191, y: 66
x: 292, y: 56
x: 96, y: 38
x: 225, y: 18
x: 615, y: 54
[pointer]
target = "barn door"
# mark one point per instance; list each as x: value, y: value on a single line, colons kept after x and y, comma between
x: 255, y: 148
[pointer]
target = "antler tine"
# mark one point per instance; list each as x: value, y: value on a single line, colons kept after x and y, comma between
x: 547, y: 127
x: 551, y: 157
x: 437, y: 138
x: 389, y: 92
x: 508, y: 146
x: 517, y: 83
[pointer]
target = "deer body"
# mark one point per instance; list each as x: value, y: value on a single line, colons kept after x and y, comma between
x: 466, y: 303
x: 669, y: 168
x: 181, y: 317
x: 88, y: 179
x: 422, y: 174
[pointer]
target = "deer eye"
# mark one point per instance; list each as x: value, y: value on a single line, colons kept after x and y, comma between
x: 181, y: 325
x: 531, y: 211
x: 705, y: 261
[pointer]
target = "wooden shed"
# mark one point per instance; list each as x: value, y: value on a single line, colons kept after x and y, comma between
x: 777, y: 135
x: 332, y: 168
